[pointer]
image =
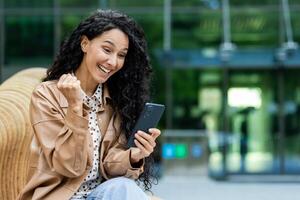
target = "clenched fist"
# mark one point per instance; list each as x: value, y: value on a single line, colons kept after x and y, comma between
x: 69, y: 86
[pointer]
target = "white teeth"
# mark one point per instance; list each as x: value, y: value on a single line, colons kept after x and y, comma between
x: 103, y: 69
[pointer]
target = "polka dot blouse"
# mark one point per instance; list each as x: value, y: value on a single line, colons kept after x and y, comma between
x: 93, y: 178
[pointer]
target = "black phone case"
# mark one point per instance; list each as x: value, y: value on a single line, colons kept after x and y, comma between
x: 149, y: 118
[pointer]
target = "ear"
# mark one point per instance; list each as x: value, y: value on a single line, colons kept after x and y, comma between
x: 84, y: 43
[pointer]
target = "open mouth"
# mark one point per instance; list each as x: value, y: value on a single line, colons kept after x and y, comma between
x: 103, y: 69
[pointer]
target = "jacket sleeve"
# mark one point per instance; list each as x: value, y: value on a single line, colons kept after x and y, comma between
x: 63, y: 139
x: 116, y: 160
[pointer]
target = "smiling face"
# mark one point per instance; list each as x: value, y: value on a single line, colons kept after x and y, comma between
x: 103, y: 56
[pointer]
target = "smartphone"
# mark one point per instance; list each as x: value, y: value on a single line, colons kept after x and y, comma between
x: 149, y: 118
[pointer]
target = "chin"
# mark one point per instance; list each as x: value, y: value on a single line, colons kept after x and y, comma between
x: 101, y: 80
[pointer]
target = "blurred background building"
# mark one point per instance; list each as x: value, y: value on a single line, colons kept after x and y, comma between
x: 228, y: 72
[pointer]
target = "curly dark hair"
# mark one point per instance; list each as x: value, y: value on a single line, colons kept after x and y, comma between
x: 129, y: 87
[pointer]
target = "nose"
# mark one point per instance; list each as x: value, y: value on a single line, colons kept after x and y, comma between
x: 112, y: 61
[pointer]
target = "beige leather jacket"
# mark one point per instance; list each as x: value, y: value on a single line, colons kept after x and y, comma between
x: 65, y: 149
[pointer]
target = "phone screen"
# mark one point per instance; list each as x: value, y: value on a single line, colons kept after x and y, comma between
x: 149, y: 118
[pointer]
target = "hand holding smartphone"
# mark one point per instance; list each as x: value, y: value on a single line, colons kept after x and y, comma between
x: 149, y: 118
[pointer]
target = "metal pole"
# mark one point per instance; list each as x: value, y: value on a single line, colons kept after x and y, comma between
x: 281, y: 120
x: 2, y: 36
x: 281, y: 38
x: 278, y: 145
x: 290, y: 45
x: 167, y: 48
x: 286, y: 28
x: 226, y: 21
x: 224, y: 120
x: 103, y: 4
x: 287, y: 20
x: 226, y: 49
x: 57, y: 26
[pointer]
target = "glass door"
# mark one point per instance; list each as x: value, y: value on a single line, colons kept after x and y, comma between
x: 252, y: 111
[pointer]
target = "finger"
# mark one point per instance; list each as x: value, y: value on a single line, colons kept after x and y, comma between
x: 74, y: 78
x: 144, y: 152
x: 154, y: 132
x: 62, y: 77
x: 68, y: 79
x: 147, y: 137
x: 146, y: 143
x: 70, y: 82
x: 78, y: 82
x: 61, y: 80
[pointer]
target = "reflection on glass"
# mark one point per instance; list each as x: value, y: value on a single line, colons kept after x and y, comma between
x: 244, y: 97
x: 251, y: 142
x: 252, y: 115
x: 210, y: 105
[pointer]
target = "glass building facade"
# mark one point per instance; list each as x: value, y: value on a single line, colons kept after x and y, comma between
x: 246, y: 99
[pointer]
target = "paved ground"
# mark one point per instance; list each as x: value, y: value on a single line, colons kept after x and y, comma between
x: 179, y: 187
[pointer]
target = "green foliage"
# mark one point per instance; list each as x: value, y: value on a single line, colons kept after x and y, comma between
x: 134, y: 3
x: 153, y: 27
x: 69, y: 23
x: 27, y: 3
x: 79, y: 3
x: 28, y: 37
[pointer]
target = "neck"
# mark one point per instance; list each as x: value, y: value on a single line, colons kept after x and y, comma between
x: 87, y: 83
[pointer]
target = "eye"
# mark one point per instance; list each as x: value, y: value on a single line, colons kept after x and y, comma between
x: 107, y: 50
x: 122, y: 56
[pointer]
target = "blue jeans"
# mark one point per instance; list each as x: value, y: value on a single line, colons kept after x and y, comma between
x: 120, y: 188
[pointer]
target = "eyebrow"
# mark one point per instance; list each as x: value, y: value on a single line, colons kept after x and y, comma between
x: 113, y: 44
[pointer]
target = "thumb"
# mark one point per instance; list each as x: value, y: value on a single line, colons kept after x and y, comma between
x: 154, y: 132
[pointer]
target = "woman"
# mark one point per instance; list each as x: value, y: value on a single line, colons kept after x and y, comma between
x: 84, y: 110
